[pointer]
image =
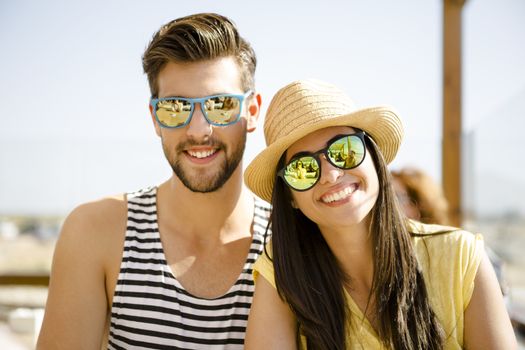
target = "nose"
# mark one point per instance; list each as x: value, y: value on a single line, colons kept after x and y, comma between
x: 198, y: 127
x: 329, y: 173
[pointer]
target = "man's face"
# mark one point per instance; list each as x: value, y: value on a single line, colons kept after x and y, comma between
x: 203, y: 156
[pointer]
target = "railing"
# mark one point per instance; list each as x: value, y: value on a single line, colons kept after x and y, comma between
x: 24, y: 279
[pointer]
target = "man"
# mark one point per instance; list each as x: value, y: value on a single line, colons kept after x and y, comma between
x: 170, y: 266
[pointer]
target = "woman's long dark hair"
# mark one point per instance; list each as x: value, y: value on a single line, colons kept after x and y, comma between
x: 310, y: 279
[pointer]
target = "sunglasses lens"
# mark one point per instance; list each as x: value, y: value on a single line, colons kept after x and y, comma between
x: 302, y: 173
x: 173, y: 113
x: 347, y: 152
x: 223, y: 110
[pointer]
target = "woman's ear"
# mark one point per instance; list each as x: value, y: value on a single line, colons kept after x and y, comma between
x: 293, y: 204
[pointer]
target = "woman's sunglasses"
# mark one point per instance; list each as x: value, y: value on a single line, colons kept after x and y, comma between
x: 219, y: 110
x: 343, y: 151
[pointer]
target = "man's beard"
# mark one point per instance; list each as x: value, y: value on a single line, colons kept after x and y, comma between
x: 201, y: 183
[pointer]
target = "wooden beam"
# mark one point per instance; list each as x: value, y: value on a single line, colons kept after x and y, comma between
x: 26, y: 280
x: 451, y: 147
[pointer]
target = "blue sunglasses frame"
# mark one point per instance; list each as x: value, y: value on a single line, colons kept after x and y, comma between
x: 154, y: 102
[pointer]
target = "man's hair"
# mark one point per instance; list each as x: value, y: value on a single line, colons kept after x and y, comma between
x: 197, y: 38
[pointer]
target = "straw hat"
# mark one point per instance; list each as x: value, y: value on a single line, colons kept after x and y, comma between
x: 303, y: 107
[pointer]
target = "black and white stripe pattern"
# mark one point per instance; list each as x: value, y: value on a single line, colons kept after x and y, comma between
x: 151, y: 309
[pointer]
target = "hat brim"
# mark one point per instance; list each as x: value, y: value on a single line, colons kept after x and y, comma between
x: 381, y: 123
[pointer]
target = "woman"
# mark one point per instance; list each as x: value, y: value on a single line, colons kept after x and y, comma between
x: 346, y: 269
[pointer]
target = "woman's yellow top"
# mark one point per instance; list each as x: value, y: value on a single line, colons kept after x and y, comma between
x: 449, y: 262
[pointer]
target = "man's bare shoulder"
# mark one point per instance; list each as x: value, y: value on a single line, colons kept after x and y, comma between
x: 98, y: 222
x: 102, y: 207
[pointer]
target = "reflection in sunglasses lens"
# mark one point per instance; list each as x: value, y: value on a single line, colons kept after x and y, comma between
x: 223, y: 109
x: 302, y: 173
x: 173, y: 112
x: 346, y: 152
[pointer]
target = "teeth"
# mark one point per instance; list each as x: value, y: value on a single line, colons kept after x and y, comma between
x: 339, y: 195
x: 201, y: 154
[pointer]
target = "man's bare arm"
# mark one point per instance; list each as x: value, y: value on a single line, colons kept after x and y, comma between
x: 77, y: 304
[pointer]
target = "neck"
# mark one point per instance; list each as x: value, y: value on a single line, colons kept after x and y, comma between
x: 352, y: 246
x: 213, y: 215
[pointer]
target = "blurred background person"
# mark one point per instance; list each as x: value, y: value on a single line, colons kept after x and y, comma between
x: 420, y: 196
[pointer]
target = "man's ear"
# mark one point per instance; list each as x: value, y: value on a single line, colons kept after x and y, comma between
x: 254, y: 109
x: 155, y: 123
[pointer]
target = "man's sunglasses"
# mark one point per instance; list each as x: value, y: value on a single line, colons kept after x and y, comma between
x: 219, y: 110
x: 343, y: 151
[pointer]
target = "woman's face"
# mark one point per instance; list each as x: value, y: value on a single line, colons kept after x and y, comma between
x: 340, y: 197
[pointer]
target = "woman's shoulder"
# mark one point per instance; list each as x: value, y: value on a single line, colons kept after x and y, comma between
x: 264, y: 265
x: 419, y: 230
x: 444, y: 241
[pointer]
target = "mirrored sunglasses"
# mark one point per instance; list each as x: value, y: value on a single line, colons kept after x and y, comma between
x: 304, y: 169
x: 219, y: 110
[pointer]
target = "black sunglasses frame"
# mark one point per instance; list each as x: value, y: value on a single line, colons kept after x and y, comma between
x: 360, y: 134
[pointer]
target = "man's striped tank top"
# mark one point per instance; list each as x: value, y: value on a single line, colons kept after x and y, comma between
x: 152, y: 310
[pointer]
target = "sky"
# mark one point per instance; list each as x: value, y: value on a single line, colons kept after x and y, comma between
x: 74, y: 119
